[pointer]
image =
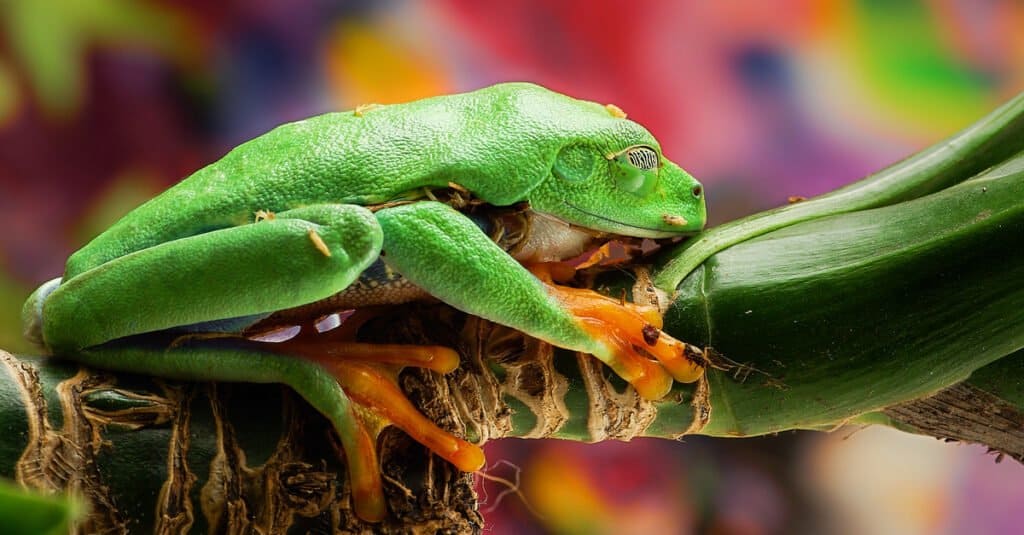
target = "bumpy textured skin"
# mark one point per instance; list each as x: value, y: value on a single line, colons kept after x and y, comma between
x: 194, y: 254
x: 197, y: 255
x: 499, y: 143
x: 227, y: 273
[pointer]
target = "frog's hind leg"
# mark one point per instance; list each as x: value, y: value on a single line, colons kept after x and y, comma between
x: 354, y: 385
x: 239, y: 360
x: 368, y: 372
x: 369, y: 375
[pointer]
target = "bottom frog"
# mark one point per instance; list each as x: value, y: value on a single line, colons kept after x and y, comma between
x: 380, y: 206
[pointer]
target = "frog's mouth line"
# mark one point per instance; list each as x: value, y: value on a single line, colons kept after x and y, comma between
x: 664, y: 233
x: 541, y: 237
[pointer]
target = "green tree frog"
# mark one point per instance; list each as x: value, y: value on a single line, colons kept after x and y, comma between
x: 370, y: 207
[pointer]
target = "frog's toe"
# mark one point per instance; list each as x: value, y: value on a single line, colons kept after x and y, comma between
x: 377, y: 391
x: 367, y: 373
x: 650, y: 379
x: 363, y: 470
x: 630, y: 335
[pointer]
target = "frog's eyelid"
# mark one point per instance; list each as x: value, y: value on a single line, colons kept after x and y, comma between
x: 640, y: 156
x: 643, y: 158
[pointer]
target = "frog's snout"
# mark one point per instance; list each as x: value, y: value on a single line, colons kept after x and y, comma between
x: 32, y: 312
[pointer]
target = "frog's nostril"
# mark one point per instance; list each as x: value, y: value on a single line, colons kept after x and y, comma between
x: 697, y: 191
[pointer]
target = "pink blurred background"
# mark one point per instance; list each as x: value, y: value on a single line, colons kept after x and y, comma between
x: 103, y: 104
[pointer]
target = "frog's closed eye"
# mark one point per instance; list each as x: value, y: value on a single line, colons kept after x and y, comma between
x: 636, y: 169
x: 643, y: 158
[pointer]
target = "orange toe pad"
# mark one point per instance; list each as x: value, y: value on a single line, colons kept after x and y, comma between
x: 633, y: 334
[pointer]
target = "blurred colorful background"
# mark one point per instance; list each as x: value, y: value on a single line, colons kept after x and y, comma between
x: 103, y: 104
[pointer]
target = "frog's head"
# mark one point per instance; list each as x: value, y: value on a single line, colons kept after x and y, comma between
x: 618, y: 181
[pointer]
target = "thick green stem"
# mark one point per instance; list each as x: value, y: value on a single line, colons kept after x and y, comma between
x: 896, y: 300
x: 832, y: 318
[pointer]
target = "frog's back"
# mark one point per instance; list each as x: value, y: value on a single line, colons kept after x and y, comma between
x: 498, y: 142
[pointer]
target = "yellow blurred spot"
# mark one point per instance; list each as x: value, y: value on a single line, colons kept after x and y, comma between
x: 615, y: 111
x: 570, y: 500
x: 8, y: 93
x: 367, y: 64
x: 564, y: 497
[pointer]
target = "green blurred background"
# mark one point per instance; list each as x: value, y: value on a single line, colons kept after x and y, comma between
x: 104, y: 103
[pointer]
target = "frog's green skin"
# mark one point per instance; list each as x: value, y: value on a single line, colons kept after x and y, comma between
x: 197, y: 253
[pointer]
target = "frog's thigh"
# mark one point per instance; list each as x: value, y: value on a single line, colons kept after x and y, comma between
x: 297, y: 257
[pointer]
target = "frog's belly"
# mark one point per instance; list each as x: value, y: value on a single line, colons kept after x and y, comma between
x: 377, y: 285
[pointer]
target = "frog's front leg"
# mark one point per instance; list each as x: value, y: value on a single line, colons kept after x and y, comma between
x: 124, y: 314
x: 447, y: 255
x: 639, y: 325
x: 279, y: 261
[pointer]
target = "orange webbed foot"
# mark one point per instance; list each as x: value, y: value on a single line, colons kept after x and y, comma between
x: 633, y: 333
x: 368, y: 374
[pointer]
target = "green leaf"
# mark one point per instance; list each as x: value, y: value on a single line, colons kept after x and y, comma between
x: 989, y: 142
x: 26, y: 513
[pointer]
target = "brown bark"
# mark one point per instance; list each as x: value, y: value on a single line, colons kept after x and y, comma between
x: 968, y: 414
